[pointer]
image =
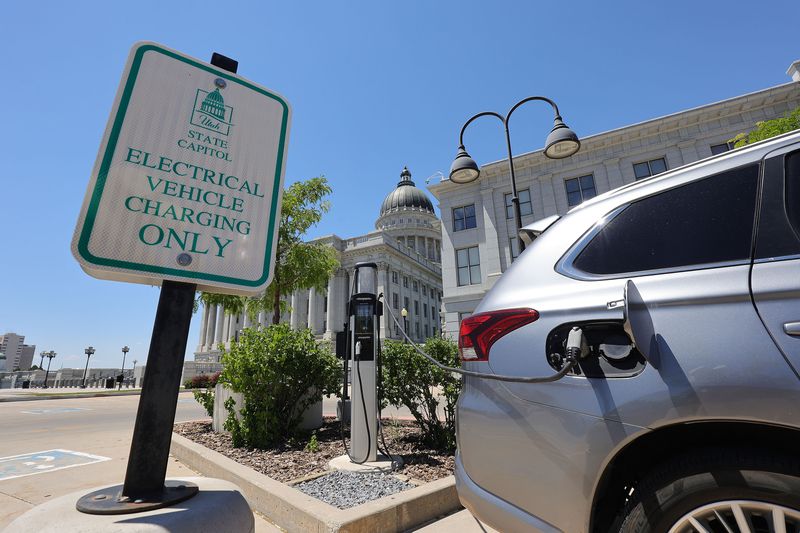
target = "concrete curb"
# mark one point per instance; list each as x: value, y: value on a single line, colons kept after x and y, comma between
x: 66, y: 396
x: 297, y: 512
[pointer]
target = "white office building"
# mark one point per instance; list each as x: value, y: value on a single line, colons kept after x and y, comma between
x: 479, y: 232
x: 406, y: 246
x: 18, y: 355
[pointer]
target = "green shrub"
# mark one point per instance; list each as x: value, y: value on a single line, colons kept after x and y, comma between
x: 205, y: 397
x: 410, y: 380
x: 275, y: 368
x: 313, y: 444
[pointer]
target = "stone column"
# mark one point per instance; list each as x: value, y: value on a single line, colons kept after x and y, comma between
x: 383, y: 287
x: 613, y: 173
x: 294, y: 320
x: 246, y: 322
x: 212, y: 320
x: 203, y: 326
x: 220, y: 324
x: 262, y: 318
x: 226, y: 329
x: 314, y: 316
x: 688, y: 151
x: 337, y: 295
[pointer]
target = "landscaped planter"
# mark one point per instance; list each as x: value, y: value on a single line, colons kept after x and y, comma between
x: 312, y: 417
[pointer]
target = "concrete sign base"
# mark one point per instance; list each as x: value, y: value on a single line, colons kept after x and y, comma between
x: 219, y: 506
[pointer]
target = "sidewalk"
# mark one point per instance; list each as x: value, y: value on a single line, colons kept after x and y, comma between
x: 20, y: 395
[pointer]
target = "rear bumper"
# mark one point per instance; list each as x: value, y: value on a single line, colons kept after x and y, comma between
x: 492, y: 510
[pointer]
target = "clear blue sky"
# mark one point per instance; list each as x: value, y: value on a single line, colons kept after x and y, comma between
x: 373, y: 85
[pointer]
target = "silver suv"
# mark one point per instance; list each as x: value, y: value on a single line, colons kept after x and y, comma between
x: 684, y: 412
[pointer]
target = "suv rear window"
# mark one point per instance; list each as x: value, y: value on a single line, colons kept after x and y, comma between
x: 706, y: 221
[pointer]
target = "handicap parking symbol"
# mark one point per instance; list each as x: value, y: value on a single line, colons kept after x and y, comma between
x: 28, y: 464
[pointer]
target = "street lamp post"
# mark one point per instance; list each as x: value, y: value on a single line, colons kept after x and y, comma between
x: 88, y: 351
x: 560, y: 143
x: 125, y: 351
x: 41, y: 359
x: 49, y: 356
x: 404, y: 313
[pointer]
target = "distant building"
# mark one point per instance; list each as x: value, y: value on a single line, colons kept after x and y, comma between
x: 479, y: 237
x: 19, y: 356
x: 406, y: 246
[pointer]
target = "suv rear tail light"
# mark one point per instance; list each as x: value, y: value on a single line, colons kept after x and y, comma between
x: 479, y: 332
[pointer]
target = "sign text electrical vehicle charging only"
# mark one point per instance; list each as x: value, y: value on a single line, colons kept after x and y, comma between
x: 188, y: 179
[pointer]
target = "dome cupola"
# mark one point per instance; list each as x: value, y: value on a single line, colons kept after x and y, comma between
x: 406, y: 197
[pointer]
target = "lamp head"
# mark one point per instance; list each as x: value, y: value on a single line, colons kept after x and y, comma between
x: 125, y: 349
x: 561, y: 142
x: 464, y: 169
x: 404, y: 312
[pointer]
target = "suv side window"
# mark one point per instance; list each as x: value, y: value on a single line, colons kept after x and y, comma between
x: 779, y: 221
x: 705, y: 221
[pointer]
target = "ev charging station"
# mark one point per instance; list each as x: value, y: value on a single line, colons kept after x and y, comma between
x: 364, y: 313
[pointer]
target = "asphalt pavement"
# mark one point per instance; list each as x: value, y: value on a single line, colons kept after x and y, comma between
x: 54, y: 447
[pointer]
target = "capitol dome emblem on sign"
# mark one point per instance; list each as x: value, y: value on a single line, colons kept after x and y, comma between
x: 211, y: 113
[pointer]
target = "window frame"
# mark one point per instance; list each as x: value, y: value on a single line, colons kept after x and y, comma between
x: 465, y: 217
x: 728, y: 144
x: 469, y: 267
x: 580, y: 189
x: 650, y: 167
x: 510, y: 206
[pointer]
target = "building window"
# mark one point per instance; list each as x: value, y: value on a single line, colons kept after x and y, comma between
x: 394, y: 277
x: 425, y: 310
x: 646, y: 169
x: 426, y: 331
x: 525, y: 207
x: 397, y: 330
x: 416, y: 307
x: 405, y: 281
x: 721, y: 148
x: 405, y: 303
x: 513, y: 245
x: 468, y: 264
x: 580, y: 189
x: 416, y: 286
x: 464, y: 217
x: 416, y: 329
x: 424, y: 290
x: 395, y: 300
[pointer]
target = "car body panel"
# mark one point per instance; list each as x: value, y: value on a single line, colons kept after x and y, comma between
x: 541, y: 449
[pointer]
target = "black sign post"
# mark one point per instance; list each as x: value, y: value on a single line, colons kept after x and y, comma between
x: 145, y: 486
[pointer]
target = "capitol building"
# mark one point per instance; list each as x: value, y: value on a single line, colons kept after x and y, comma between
x: 406, y: 246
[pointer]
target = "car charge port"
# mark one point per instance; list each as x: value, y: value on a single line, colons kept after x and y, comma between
x: 610, y: 351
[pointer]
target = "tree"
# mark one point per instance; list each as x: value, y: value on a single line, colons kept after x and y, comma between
x: 769, y: 128
x: 298, y: 264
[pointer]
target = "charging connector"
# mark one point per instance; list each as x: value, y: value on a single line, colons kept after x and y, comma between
x: 577, y: 347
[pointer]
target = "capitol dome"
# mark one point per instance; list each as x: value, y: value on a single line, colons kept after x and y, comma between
x: 406, y: 197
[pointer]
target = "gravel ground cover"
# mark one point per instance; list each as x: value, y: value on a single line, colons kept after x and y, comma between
x: 348, y: 489
x: 291, y: 460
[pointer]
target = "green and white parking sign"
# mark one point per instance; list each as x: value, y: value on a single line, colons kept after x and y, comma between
x: 188, y: 179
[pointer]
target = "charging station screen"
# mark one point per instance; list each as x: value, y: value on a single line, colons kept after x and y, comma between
x: 363, y: 321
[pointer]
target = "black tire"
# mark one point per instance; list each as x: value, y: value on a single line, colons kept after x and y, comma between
x: 688, y: 482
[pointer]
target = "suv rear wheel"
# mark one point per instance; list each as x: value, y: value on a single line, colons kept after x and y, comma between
x: 717, y: 490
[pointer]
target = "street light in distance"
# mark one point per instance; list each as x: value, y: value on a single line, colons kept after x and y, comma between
x: 125, y: 351
x: 49, y: 356
x: 88, y: 351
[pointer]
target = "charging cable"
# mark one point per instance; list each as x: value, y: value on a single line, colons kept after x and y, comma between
x: 576, y: 349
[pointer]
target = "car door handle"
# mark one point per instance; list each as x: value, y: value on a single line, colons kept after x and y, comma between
x: 792, y: 328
